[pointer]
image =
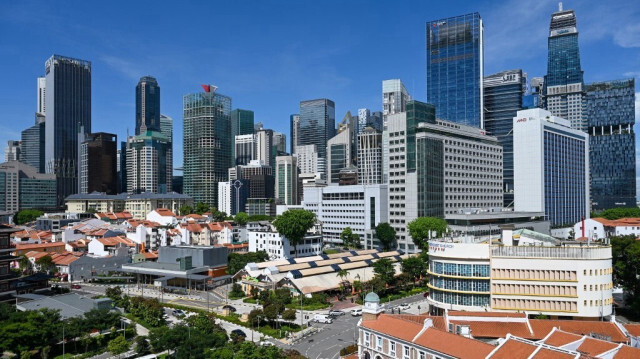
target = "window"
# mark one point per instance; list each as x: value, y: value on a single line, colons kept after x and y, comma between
x: 422, y: 355
x: 392, y: 350
x: 378, y: 342
x: 406, y: 352
x: 366, y: 339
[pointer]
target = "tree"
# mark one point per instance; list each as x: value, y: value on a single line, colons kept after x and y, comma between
x: 142, y: 346
x: 45, y: 264
x: 241, y: 218
x: 414, y: 267
x: 25, y: 264
x: 386, y: 235
x: 423, y: 228
x: 186, y: 209
x: 289, y: 314
x: 294, y: 224
x: 118, y: 345
x: 202, y: 207
x: 384, y: 269
x: 218, y: 216
x: 350, y: 239
x: 114, y: 293
x: 617, y: 213
x: 27, y: 215
x: 625, y: 251
x: 236, y: 261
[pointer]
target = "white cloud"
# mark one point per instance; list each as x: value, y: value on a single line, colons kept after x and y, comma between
x: 125, y: 67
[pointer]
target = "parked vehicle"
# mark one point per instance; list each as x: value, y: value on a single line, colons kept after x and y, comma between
x: 231, y: 308
x: 404, y: 306
x: 239, y: 333
x: 266, y: 344
x: 336, y: 313
x: 356, y: 312
x: 322, y: 318
x: 177, y: 312
x: 76, y: 286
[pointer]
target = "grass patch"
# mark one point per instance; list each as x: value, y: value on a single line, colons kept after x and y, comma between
x: 250, y: 300
x: 309, y: 307
x: 331, y: 251
x: 232, y: 296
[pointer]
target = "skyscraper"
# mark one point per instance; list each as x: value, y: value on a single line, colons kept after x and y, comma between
x: 241, y: 124
x: 612, y: 144
x: 370, y: 157
x: 12, y: 151
x: 98, y: 163
x: 287, y: 180
x: 207, y: 143
x: 279, y: 143
x: 245, y: 149
x: 455, y: 68
x: 264, y: 147
x: 317, y: 124
x: 22, y: 187
x: 32, y: 147
x: 308, y: 161
x: 149, y: 163
x: 166, y: 127
x: 503, y: 98
x: 147, y: 105
x: 394, y: 100
x: 42, y: 90
x: 68, y: 108
x: 564, y: 82
x: 294, y: 125
x: 338, y: 155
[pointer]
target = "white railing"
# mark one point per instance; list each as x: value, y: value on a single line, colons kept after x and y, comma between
x: 583, y: 252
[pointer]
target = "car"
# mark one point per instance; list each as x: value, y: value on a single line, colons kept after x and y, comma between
x: 238, y: 333
x: 177, y: 312
x: 404, y: 306
x: 231, y: 308
x: 356, y: 312
x: 76, y: 286
x: 322, y: 318
x: 336, y: 313
x: 266, y: 344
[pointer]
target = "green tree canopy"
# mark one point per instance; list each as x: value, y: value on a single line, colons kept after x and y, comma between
x: 186, y: 209
x: 27, y: 215
x: 350, y: 239
x: 118, y: 345
x: 414, y: 267
x: 625, y: 251
x: 241, y: 218
x: 202, y: 207
x: 237, y: 261
x: 617, y: 213
x: 294, y: 224
x: 420, y: 228
x: 384, y: 269
x: 45, y: 264
x: 386, y: 235
x: 289, y: 314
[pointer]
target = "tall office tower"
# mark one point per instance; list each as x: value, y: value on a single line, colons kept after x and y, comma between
x: 363, y: 119
x: 279, y: 144
x: 207, y: 143
x: 245, y: 149
x: 394, y: 100
x: 370, y: 157
x: 147, y: 105
x: 375, y: 121
x: 68, y: 108
x: 503, y: 98
x: 287, y: 186
x: 564, y: 82
x: 260, y: 177
x: 12, y: 151
x: 551, y: 167
x: 536, y: 91
x: 32, y: 146
x: 307, y: 159
x: 294, y: 126
x: 612, y: 145
x: 338, y: 155
x: 241, y: 124
x: 149, y: 163
x: 122, y: 175
x: 455, y: 68
x: 403, y: 205
x: 264, y: 147
x: 42, y: 90
x: 22, y: 187
x: 98, y: 163
x: 317, y: 124
x: 166, y: 127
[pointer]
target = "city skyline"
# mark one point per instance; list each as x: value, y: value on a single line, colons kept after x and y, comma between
x: 292, y: 68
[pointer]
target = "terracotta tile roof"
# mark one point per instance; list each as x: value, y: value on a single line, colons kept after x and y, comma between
x: 454, y: 345
x: 195, y: 216
x: 633, y: 329
x: 114, y: 215
x: 559, y: 338
x: 165, y: 212
x: 149, y: 224
x: 23, y: 247
x: 541, y: 327
x: 65, y: 258
x: 173, y: 231
x: 627, y: 352
x: 594, y: 347
x: 236, y: 246
x: 512, y: 348
x: 193, y: 227
x: 497, y: 329
x: 545, y: 353
x: 622, y: 222
x: 112, y: 241
x: 150, y: 255
x: 35, y: 254
x: 392, y: 325
x: 458, y: 313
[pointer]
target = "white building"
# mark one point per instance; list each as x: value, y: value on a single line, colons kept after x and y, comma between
x: 551, y: 167
x: 369, y: 156
x: 308, y: 159
x: 245, y: 149
x: 163, y: 216
x: 527, y: 272
x: 394, y: 100
x: 287, y: 181
x: 361, y: 207
x: 224, y: 196
x: 338, y: 154
x: 601, y: 228
x: 264, y: 237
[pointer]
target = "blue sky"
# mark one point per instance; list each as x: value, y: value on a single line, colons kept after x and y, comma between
x: 270, y: 55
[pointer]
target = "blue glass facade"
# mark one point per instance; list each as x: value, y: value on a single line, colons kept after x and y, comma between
x: 32, y: 146
x: 459, y: 284
x: 147, y: 105
x: 612, y: 145
x: 503, y: 98
x: 241, y: 124
x: 317, y: 124
x: 455, y: 68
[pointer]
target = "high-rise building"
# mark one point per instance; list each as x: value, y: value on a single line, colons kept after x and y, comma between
x: 98, y: 163
x: 370, y: 157
x: 207, y: 143
x: 12, y: 151
x: 149, y: 163
x: 287, y: 185
x: 551, y: 167
x: 294, y: 125
x: 166, y: 127
x: 503, y: 98
x: 264, y: 147
x: 366, y: 118
x: 317, y: 124
x: 32, y: 146
x: 394, y: 100
x: 147, y: 105
x: 22, y: 187
x: 232, y: 196
x: 339, y: 151
x: 610, y: 107
x: 245, y: 149
x: 260, y: 177
x: 308, y: 161
x: 42, y: 90
x: 455, y: 68
x: 241, y: 124
x: 564, y: 82
x: 68, y: 108
x: 279, y: 143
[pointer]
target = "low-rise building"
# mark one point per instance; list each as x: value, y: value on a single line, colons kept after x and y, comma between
x: 7, y: 278
x: 48, y: 247
x: 600, y: 228
x: 108, y: 246
x: 70, y: 305
x: 22, y: 187
x: 136, y: 204
x: 266, y: 238
x: 163, y: 216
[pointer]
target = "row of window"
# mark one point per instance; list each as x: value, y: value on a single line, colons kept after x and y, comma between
x: 532, y: 289
x: 465, y: 285
x: 477, y: 300
x: 534, y: 304
x: 389, y: 347
x: 534, y: 274
x: 463, y: 270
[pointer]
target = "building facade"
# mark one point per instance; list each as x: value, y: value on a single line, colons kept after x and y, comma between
x: 551, y: 167
x: 166, y: 127
x: 264, y: 237
x: 287, y: 182
x: 207, y: 143
x: 317, y: 124
x: 308, y: 161
x: 241, y: 124
x: 22, y: 187
x: 455, y: 68
x: 394, y: 100
x: 149, y: 163
x: 339, y: 153
x: 147, y: 105
x: 68, y: 108
x: 370, y: 156
x: 12, y: 151
x: 265, y: 148
x: 610, y: 107
x: 503, y: 98
x: 139, y: 205
x: 233, y: 195
x: 98, y: 162
x: 294, y: 125
x: 245, y: 149
x: 32, y: 144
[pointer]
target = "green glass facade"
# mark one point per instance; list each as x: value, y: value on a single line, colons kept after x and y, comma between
x: 430, y: 168
x: 241, y: 124
x: 416, y: 112
x: 37, y: 193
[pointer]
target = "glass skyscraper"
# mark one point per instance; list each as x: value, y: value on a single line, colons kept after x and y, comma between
x: 317, y: 124
x: 503, y: 98
x: 294, y: 125
x: 455, y: 68
x: 68, y: 109
x: 207, y: 143
x: 241, y: 124
x: 564, y: 83
x: 32, y: 144
x: 147, y: 105
x: 612, y: 143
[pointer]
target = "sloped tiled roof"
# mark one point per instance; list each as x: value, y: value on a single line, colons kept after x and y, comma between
x: 165, y: 212
x: 112, y: 241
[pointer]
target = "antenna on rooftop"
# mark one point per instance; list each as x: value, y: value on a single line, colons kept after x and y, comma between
x: 560, y: 6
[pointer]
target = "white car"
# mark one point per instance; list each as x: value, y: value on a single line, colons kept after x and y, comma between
x: 404, y: 306
x: 356, y: 312
x: 322, y: 318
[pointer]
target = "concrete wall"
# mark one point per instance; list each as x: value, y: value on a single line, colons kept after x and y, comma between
x: 201, y: 256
